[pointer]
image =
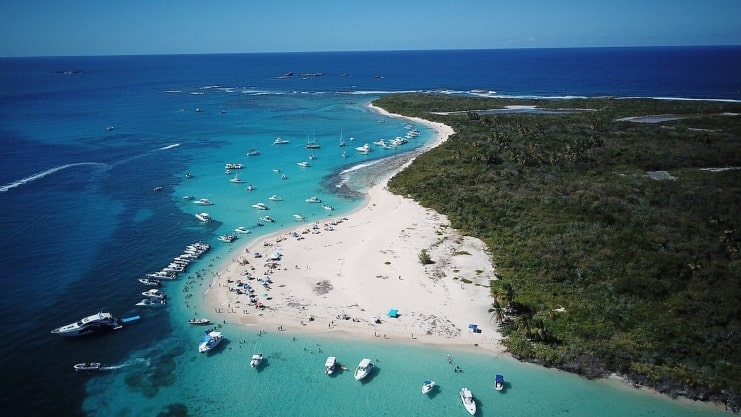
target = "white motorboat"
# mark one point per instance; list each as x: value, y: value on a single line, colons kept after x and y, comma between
x: 154, y: 294
x: 152, y: 302
x: 330, y: 365
x: 236, y: 180
x: 499, y: 382
x: 260, y: 206
x: 256, y: 360
x: 188, y: 197
x: 279, y: 141
x: 365, y: 149
x: 267, y: 219
x: 88, y: 367
x: 250, y: 188
x: 89, y: 325
x: 233, y: 166
x: 228, y: 238
x: 398, y: 141
x: 199, y: 321
x: 162, y: 275
x: 468, y: 402
x: 203, y: 202
x: 427, y: 386
x: 242, y: 229
x: 303, y: 164
x: 299, y: 217
x: 327, y: 207
x: 204, y: 217
x: 210, y: 341
x: 274, y: 198
x: 253, y: 152
x: 364, y: 369
x: 150, y: 282
x: 313, y: 199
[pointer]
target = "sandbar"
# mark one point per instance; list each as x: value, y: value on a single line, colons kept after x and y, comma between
x: 341, y: 277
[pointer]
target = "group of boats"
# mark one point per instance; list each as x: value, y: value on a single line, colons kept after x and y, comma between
x: 156, y: 298
x: 178, y: 264
x: 153, y: 298
x: 467, y: 398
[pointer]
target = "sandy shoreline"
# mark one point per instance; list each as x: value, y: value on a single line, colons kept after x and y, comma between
x: 339, y: 276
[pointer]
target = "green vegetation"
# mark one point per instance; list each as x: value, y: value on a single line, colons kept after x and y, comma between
x: 424, y: 257
x: 601, y: 267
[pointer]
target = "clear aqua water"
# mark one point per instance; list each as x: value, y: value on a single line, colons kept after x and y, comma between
x: 81, y: 222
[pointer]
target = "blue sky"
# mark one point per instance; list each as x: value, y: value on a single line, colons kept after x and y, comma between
x: 116, y: 27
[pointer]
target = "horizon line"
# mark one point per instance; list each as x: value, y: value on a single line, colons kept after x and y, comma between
x: 372, y: 50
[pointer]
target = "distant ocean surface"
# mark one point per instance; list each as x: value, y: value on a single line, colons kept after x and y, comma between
x: 85, y: 140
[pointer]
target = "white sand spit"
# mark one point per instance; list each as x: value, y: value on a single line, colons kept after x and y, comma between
x: 341, y: 277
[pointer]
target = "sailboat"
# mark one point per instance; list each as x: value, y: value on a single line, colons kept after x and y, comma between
x: 342, y: 141
x: 312, y: 144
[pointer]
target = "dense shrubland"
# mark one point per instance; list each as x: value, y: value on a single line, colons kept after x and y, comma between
x: 602, y: 268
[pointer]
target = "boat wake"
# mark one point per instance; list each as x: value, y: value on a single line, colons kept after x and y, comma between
x: 164, y: 148
x: 136, y: 361
x: 133, y: 158
x: 42, y: 174
x: 48, y: 172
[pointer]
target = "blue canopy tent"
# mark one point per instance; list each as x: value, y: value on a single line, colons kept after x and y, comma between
x: 473, y: 328
x: 393, y: 313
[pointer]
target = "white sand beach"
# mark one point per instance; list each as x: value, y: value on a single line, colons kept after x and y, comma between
x: 341, y: 277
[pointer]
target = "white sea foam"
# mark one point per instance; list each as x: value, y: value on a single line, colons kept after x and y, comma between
x: 164, y: 148
x: 42, y: 174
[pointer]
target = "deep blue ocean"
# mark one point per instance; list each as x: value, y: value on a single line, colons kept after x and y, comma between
x: 86, y: 139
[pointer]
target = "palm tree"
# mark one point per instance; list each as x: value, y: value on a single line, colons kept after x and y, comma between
x: 497, y: 311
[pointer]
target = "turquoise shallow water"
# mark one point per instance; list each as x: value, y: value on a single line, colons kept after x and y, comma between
x: 292, y: 382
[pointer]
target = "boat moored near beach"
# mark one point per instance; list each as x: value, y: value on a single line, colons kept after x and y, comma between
x: 499, y: 382
x: 468, y: 402
x: 203, y: 202
x: 197, y: 322
x: 154, y: 294
x: 204, y: 217
x: 330, y: 365
x: 428, y: 386
x: 364, y: 369
x: 150, y: 282
x: 152, y: 302
x: 256, y: 360
x: 91, y: 324
x: 210, y: 341
x: 228, y: 238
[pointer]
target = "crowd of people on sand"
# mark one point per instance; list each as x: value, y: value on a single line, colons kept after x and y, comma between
x: 254, y: 276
